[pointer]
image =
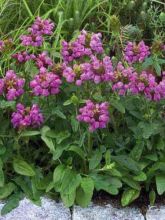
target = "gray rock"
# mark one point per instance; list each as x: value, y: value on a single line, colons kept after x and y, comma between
x: 155, y: 213
x: 50, y: 210
x: 107, y: 212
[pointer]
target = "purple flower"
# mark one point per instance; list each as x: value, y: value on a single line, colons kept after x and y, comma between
x: 42, y: 27
x: 102, y: 69
x: 45, y: 84
x: 43, y: 61
x: 124, y: 79
x: 84, y: 45
x: 27, y: 117
x: 11, y: 85
x: 32, y: 40
x: 136, y: 52
x: 23, y: 56
x: 78, y: 73
x: 96, y: 115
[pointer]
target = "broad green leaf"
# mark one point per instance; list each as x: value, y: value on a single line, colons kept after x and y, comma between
x: 127, y: 162
x: 141, y: 177
x: 23, y: 168
x: 132, y: 183
x: 24, y: 185
x: 12, y: 203
x: 70, y: 181
x: 6, y: 190
x: 68, y: 199
x: 95, y: 160
x: 137, y: 151
x: 78, y: 151
x: 129, y: 196
x: 107, y: 183
x: 58, y: 173
x: 85, y: 191
x: 160, y: 183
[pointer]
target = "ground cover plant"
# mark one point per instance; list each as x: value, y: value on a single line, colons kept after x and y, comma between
x: 82, y: 106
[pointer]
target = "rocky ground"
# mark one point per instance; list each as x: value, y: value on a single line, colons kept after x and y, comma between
x: 50, y: 210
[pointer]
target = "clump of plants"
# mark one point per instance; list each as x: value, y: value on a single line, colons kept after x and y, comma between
x: 81, y: 121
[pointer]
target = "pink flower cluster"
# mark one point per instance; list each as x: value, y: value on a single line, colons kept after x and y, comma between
x: 95, y: 70
x: 23, y: 56
x: 128, y: 80
x: 27, y: 116
x: 84, y: 45
x: 136, y: 52
x: 147, y: 84
x: 42, y: 27
x: 78, y: 73
x: 102, y: 69
x: 43, y: 61
x: 11, y: 85
x: 96, y: 115
x: 37, y: 30
x: 123, y: 79
x: 45, y: 84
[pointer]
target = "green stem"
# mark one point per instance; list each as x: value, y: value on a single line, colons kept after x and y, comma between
x: 27, y: 8
x: 90, y: 143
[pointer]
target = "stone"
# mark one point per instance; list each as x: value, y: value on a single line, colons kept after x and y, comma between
x: 49, y: 210
x: 155, y: 213
x: 107, y: 212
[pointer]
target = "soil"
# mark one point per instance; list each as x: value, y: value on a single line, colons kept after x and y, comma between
x: 103, y: 198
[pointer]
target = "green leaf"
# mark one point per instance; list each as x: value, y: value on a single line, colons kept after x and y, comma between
x: 157, y: 68
x: 160, y: 183
x: 108, y: 157
x: 132, y: 183
x: 74, y: 124
x: 29, y: 133
x: 23, y: 168
x: 137, y: 151
x: 68, y: 199
x: 49, y: 143
x: 107, y: 183
x: 59, y: 113
x: 129, y: 196
x: 152, y: 197
x: 6, y: 190
x: 59, y: 173
x: 11, y: 203
x: 95, y: 160
x: 85, y: 191
x: 78, y: 151
x: 24, y: 185
x: 141, y: 177
x: 59, y: 136
x: 70, y: 181
x: 148, y: 62
x: 118, y: 105
x: 127, y: 162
